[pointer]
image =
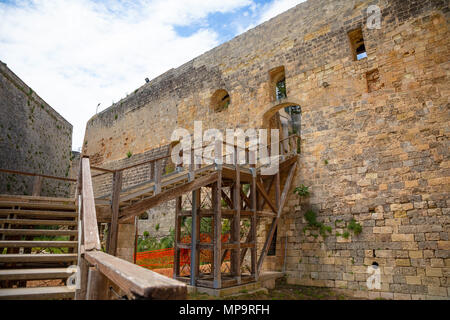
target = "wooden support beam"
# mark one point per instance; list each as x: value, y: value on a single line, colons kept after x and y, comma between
x: 113, y: 231
x: 176, y: 261
x: 217, y: 240
x: 82, y: 277
x: 245, y: 198
x: 143, y: 205
x: 227, y: 199
x: 265, y: 196
x: 261, y: 201
x: 213, y: 223
x: 253, y: 229
x: 284, y: 196
x: 277, y: 190
x: 97, y: 288
x: 236, y: 225
x: 37, y: 186
x: 195, y: 234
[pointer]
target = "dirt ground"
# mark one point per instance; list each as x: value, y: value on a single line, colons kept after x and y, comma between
x: 282, y: 291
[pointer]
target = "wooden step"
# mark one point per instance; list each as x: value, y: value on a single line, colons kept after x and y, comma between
x: 39, y: 293
x: 33, y: 205
x: 65, y: 257
x: 37, y: 244
x: 38, y: 222
x: 39, y: 213
x: 38, y: 232
x: 36, y: 274
x: 12, y: 197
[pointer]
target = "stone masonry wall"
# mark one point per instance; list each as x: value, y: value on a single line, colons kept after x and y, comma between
x: 33, y: 138
x: 374, y: 139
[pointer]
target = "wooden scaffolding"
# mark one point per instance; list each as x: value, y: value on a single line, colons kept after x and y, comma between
x: 265, y: 198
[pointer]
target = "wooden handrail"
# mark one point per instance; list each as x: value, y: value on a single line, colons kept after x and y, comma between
x: 192, y: 149
x: 89, y: 217
x: 37, y: 175
x: 135, y: 281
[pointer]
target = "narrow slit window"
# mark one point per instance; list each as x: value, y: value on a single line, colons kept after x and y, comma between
x: 273, y: 245
x: 357, y: 44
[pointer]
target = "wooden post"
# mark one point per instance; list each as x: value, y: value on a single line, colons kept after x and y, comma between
x: 253, y: 227
x: 217, y: 240
x: 37, y: 186
x: 213, y: 201
x: 176, y: 259
x: 194, y: 236
x: 277, y: 190
x: 97, y: 288
x: 191, y: 175
x: 115, y: 200
x: 236, y: 226
x: 158, y: 173
x: 81, y: 292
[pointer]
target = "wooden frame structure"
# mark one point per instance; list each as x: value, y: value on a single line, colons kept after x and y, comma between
x: 235, y: 208
x: 265, y: 198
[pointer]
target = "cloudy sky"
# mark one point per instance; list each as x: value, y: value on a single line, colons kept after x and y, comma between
x: 78, y: 53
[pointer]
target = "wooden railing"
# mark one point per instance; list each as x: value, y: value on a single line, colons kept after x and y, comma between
x: 38, y: 179
x: 97, y: 270
x: 287, y: 146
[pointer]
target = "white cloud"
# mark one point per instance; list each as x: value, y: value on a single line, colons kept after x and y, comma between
x: 276, y: 7
x: 77, y: 53
x: 263, y: 13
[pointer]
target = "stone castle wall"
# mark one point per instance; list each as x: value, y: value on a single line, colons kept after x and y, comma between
x: 33, y: 138
x: 374, y: 136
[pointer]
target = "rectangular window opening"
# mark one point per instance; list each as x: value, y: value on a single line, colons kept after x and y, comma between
x: 357, y: 44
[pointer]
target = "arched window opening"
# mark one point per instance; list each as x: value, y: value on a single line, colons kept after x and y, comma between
x: 287, y: 118
x: 278, y: 83
x: 220, y: 100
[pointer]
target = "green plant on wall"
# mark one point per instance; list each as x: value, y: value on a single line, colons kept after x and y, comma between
x: 355, y: 227
x: 129, y: 154
x: 313, y: 224
x: 302, y: 191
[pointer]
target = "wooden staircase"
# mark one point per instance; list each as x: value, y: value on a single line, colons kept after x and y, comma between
x: 38, y: 242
